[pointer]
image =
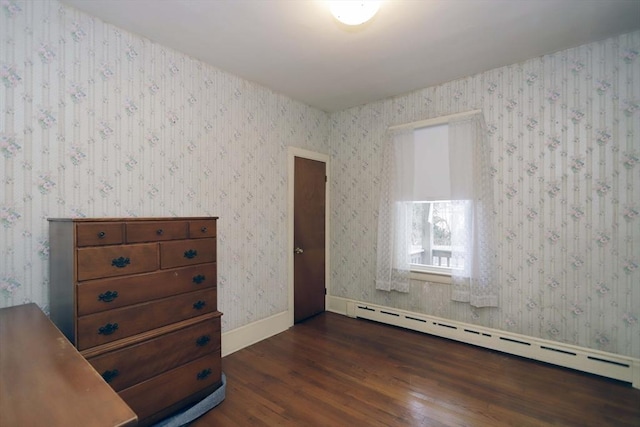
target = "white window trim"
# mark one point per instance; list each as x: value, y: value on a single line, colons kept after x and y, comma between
x: 435, y: 121
x: 430, y: 275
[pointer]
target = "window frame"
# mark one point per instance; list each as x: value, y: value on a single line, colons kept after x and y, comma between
x: 421, y: 272
x: 431, y: 273
x: 430, y: 276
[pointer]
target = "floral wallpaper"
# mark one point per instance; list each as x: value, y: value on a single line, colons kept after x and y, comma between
x: 565, y: 137
x: 96, y: 121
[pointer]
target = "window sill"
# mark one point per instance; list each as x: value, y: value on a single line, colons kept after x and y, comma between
x: 424, y: 276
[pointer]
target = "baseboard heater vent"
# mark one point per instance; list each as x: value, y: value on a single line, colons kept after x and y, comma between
x: 626, y: 365
x: 558, y: 350
x: 580, y: 358
x: 389, y: 313
x: 515, y: 341
x: 444, y: 325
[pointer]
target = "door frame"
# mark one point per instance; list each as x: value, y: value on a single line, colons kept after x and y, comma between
x: 292, y: 153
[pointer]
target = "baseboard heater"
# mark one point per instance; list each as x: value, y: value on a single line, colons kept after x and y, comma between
x: 580, y: 358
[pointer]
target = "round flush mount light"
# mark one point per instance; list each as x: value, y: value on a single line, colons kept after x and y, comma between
x: 354, y: 12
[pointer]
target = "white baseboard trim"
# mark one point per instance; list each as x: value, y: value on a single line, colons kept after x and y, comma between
x: 246, y: 335
x: 597, y: 362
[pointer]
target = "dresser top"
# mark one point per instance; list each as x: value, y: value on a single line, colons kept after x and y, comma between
x: 134, y: 219
x: 45, y: 381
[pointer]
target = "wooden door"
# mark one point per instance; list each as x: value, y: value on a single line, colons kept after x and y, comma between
x: 309, y: 238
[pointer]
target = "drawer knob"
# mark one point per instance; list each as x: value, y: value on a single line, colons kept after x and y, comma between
x: 198, y: 279
x: 199, y: 304
x: 102, y: 235
x: 203, y: 374
x: 108, y: 296
x: 203, y: 340
x: 121, y: 262
x: 108, y: 329
x: 203, y: 229
x: 190, y: 254
x: 110, y: 375
x: 159, y: 231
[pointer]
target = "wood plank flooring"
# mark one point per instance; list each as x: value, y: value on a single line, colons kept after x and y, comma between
x: 332, y: 370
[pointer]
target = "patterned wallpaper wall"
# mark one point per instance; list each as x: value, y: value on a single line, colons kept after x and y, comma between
x: 96, y: 121
x: 565, y: 132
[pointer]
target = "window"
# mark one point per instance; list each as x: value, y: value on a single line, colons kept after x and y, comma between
x: 436, y: 219
x: 431, y: 247
x: 436, y: 207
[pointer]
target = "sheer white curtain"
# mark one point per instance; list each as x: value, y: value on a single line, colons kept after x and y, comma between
x: 468, y: 185
x: 474, y: 240
x: 394, y: 214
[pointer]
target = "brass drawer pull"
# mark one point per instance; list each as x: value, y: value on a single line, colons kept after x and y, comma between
x: 121, y: 262
x: 204, y: 374
x: 108, y: 329
x: 191, y: 253
x: 198, y: 279
x: 199, y: 304
x: 102, y: 235
x: 203, y: 340
x: 110, y: 375
x: 108, y: 296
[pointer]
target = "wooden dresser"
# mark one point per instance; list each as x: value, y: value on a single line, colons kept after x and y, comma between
x: 138, y: 298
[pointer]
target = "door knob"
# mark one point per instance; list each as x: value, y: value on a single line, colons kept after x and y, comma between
x: 298, y: 251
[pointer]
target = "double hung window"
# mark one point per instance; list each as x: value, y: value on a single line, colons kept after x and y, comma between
x: 437, y: 219
x: 436, y: 211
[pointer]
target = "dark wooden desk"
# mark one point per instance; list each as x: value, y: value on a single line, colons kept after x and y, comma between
x: 44, y: 381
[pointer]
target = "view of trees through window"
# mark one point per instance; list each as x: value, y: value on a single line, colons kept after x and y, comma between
x: 432, y: 224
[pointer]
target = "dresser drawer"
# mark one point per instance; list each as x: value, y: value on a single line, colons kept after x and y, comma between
x: 152, y: 231
x: 187, y: 252
x: 99, y: 233
x: 107, y: 326
x: 131, y: 365
x: 109, y: 261
x: 171, y: 387
x: 202, y: 228
x: 100, y: 295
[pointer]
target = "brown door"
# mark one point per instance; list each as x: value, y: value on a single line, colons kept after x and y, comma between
x: 308, y: 238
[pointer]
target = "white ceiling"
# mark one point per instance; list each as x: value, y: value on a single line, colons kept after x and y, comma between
x: 296, y: 48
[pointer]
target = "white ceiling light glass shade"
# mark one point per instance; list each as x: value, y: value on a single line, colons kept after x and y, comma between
x: 354, y: 12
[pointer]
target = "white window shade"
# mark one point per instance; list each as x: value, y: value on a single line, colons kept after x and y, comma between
x: 431, y: 164
x: 425, y: 159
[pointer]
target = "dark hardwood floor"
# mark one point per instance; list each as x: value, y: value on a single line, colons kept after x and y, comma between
x: 332, y: 370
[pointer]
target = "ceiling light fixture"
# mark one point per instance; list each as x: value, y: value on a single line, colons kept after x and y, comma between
x: 354, y: 12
